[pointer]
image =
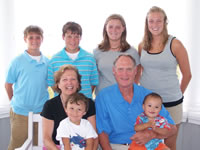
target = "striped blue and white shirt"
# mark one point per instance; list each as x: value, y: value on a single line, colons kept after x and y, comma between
x: 86, y: 65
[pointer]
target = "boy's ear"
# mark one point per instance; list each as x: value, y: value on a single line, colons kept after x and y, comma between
x: 24, y: 39
x: 65, y: 110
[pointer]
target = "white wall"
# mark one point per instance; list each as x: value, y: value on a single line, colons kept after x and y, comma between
x: 194, y: 52
x: 7, y: 42
x: 51, y: 15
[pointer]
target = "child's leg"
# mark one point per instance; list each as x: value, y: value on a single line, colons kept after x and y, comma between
x: 162, y: 146
x: 135, y: 146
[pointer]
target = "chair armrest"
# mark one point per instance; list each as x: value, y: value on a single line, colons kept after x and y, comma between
x: 26, y: 145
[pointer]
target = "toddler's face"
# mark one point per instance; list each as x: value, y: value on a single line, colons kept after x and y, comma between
x: 75, y: 111
x: 152, y: 107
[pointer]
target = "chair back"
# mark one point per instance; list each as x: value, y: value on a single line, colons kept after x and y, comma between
x: 28, y: 145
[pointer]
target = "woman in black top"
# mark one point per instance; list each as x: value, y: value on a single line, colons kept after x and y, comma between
x: 67, y: 81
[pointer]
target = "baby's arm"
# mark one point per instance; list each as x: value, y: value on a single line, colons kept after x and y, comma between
x: 161, y: 131
x: 143, y: 126
x: 89, y: 144
x: 66, y: 143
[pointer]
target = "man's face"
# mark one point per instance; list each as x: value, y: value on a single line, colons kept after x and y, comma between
x: 124, y: 72
x: 72, y: 41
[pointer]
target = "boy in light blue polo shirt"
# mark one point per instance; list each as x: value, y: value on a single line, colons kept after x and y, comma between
x: 73, y: 54
x: 26, y: 85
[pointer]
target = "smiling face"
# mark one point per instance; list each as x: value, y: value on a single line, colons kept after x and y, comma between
x: 124, y: 71
x: 75, y: 111
x: 33, y: 41
x: 152, y: 107
x: 155, y: 23
x: 68, y: 83
x: 114, y: 29
x: 72, y: 41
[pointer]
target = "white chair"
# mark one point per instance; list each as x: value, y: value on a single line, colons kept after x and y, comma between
x: 28, y: 144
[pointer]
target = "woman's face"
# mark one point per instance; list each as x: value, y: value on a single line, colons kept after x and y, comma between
x: 68, y: 82
x: 155, y: 23
x: 114, y: 29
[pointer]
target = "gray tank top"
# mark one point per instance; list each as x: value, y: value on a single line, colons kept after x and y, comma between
x: 160, y: 73
x: 105, y: 61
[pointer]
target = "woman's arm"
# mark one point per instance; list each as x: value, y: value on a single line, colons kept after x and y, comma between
x: 47, y: 130
x: 139, y: 67
x: 182, y: 58
x: 92, y: 120
x: 89, y: 144
x: 66, y: 142
x: 138, y: 74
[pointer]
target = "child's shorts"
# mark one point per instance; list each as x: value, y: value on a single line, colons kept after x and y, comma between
x: 135, y: 146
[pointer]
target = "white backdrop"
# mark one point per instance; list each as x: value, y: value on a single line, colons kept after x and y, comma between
x: 51, y: 15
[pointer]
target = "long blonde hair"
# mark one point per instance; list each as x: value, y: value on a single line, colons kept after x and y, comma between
x: 147, y: 39
x: 105, y: 44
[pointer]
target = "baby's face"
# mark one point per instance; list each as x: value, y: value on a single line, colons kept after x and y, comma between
x: 152, y: 107
x: 75, y: 112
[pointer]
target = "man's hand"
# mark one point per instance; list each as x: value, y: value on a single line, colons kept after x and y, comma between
x: 142, y: 137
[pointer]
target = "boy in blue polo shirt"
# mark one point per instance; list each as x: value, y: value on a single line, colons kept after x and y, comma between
x: 26, y: 85
x: 73, y: 54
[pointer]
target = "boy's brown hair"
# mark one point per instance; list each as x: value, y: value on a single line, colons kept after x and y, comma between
x: 76, y: 98
x: 34, y: 29
x: 74, y: 27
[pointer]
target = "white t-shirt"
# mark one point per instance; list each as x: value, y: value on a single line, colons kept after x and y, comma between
x: 73, y: 56
x: 37, y: 58
x: 76, y: 133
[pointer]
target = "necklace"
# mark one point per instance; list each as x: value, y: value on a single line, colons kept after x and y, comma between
x: 114, y: 48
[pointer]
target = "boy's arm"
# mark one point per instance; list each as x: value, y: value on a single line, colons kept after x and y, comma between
x: 66, y: 143
x: 89, y: 144
x: 143, y: 126
x: 9, y: 90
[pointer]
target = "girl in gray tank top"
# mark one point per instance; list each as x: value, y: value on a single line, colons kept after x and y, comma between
x: 160, y: 54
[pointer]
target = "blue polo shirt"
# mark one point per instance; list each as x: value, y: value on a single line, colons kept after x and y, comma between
x: 117, y: 117
x: 30, y: 84
x: 86, y: 65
